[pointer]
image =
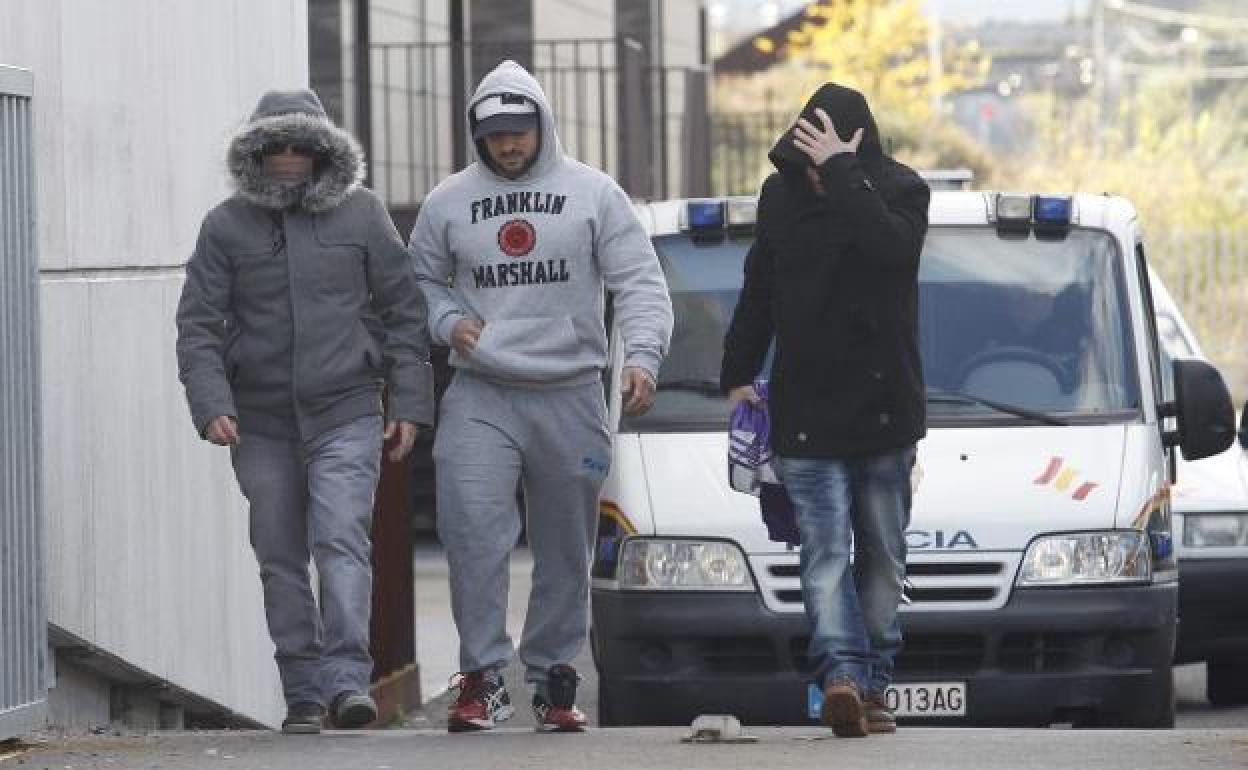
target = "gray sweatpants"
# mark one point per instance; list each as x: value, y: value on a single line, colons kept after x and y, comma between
x: 315, y: 495
x: 555, y: 442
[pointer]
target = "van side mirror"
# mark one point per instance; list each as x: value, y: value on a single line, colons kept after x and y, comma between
x: 1243, y: 427
x: 1202, y: 407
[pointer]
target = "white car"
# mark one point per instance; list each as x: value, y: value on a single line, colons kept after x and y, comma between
x: 1041, y: 559
x: 1211, y: 534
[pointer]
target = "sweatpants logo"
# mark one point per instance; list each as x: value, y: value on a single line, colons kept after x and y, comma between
x: 595, y: 466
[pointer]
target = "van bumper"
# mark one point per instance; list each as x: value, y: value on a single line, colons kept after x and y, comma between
x: 1087, y: 655
x: 1213, y: 618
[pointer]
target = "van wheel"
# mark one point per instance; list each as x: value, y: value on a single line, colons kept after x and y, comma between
x: 1226, y: 682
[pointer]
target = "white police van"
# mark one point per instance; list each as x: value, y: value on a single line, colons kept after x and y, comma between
x: 1211, y: 536
x: 1041, y: 563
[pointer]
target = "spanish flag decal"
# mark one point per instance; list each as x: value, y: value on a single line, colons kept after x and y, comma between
x: 1061, y: 477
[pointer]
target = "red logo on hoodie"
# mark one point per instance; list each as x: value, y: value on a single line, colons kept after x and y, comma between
x: 517, y: 238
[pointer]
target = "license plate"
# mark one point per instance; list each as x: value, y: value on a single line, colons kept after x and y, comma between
x: 925, y: 699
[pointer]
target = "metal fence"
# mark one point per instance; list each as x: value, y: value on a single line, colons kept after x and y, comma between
x: 740, y: 142
x: 642, y: 124
x: 23, y: 623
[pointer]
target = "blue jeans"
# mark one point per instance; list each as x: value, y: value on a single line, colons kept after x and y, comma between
x: 865, y: 502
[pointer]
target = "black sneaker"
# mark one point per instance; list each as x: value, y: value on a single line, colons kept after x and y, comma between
x: 558, y: 713
x: 353, y: 710
x: 303, y: 719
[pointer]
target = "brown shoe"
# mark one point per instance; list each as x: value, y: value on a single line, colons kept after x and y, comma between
x: 880, y: 718
x: 843, y: 710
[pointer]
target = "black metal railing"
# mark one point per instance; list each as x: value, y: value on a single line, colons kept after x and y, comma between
x: 613, y: 110
x: 740, y: 142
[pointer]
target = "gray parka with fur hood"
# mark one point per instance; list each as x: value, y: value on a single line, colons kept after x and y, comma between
x: 300, y: 302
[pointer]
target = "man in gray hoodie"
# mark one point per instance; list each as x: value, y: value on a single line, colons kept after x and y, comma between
x: 299, y: 306
x: 515, y: 255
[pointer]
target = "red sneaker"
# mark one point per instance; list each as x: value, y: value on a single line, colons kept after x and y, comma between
x: 483, y: 702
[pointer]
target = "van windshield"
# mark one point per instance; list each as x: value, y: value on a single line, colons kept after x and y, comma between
x: 1040, y: 325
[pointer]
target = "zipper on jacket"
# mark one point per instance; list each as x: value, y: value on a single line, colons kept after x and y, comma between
x: 283, y: 244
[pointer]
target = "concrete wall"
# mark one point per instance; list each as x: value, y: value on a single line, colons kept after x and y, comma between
x: 566, y: 19
x: 146, y: 531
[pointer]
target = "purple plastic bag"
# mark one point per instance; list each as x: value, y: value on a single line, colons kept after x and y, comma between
x: 750, y: 467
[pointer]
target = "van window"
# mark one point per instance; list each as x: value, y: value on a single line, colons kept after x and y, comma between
x: 1032, y: 322
x: 1040, y: 324
x: 704, y: 278
x: 1173, y: 345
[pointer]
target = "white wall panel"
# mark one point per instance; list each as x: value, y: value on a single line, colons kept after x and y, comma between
x: 70, y: 535
x: 566, y: 19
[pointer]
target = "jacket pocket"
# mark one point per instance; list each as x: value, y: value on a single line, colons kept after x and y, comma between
x: 372, y: 348
x: 528, y: 349
x: 337, y: 265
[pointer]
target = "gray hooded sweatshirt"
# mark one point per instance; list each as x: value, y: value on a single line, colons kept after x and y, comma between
x: 530, y: 257
x: 299, y: 301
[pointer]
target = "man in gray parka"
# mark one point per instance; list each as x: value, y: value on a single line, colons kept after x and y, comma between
x: 299, y: 306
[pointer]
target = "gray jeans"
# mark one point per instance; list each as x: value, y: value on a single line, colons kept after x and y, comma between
x: 315, y: 498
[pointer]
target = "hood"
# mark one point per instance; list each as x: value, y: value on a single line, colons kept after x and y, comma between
x: 1002, y: 486
x: 978, y: 489
x: 509, y: 77
x: 849, y: 112
x: 295, y: 116
x: 1216, y: 483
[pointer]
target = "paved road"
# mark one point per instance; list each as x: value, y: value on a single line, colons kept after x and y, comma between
x: 625, y: 748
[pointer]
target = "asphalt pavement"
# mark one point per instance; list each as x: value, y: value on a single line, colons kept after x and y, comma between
x: 651, y: 748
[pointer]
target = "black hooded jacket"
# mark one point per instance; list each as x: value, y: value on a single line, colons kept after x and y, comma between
x: 834, y: 279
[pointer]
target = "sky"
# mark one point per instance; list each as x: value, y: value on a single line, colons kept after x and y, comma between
x: 747, y: 14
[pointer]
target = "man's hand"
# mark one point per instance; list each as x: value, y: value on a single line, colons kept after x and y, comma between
x: 819, y: 144
x: 465, y: 335
x: 407, y: 432
x: 637, y: 387
x: 223, y: 431
x: 742, y: 393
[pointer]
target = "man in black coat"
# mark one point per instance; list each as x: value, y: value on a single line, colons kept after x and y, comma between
x: 833, y: 279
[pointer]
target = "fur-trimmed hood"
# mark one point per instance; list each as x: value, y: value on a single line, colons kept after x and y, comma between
x: 295, y: 117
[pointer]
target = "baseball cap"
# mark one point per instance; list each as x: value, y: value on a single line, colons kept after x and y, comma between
x: 503, y: 112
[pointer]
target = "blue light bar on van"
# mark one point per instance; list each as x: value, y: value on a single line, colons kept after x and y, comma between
x: 1052, y: 209
x: 704, y: 215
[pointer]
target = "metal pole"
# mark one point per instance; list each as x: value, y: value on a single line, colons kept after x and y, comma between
x: 459, y: 92
x: 1098, y: 80
x: 935, y: 56
x: 364, y: 87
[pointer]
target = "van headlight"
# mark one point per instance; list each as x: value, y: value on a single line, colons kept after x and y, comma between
x: 683, y: 565
x: 1211, y: 530
x: 1087, y: 558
